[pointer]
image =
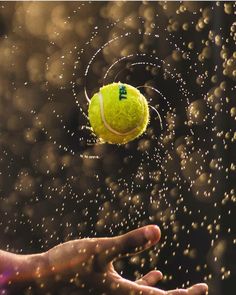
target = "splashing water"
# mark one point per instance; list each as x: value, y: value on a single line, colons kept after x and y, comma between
x: 177, y: 175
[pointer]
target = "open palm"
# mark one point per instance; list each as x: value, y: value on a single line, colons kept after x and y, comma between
x: 88, y: 262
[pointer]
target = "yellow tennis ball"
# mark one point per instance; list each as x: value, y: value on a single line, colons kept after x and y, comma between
x: 118, y: 113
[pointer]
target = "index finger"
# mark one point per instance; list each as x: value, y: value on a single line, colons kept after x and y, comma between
x: 130, y: 243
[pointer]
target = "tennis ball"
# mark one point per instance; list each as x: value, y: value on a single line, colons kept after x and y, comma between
x: 118, y: 113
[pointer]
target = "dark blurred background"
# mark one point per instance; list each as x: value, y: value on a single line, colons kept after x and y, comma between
x: 58, y: 182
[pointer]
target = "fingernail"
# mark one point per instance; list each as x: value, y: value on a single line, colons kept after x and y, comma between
x: 152, y: 233
x: 203, y: 288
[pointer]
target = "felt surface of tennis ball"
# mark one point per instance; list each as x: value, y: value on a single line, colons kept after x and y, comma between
x: 118, y: 113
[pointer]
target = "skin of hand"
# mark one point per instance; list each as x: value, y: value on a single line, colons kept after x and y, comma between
x: 88, y: 264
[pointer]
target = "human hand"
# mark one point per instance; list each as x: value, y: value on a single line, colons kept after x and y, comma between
x: 89, y: 264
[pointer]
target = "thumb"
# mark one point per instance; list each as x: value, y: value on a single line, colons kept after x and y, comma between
x: 127, y: 244
x: 198, y: 289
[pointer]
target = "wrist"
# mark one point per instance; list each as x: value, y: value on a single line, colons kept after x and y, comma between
x: 22, y: 270
x: 34, y: 267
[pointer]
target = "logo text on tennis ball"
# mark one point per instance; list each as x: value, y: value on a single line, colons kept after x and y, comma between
x: 122, y: 92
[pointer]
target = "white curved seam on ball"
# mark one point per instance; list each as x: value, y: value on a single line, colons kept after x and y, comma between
x: 108, y: 126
